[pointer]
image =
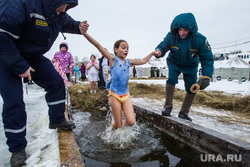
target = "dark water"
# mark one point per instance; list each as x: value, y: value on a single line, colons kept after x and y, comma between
x: 143, y: 145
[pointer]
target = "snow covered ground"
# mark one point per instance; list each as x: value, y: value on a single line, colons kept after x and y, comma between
x: 229, y: 88
x: 43, y: 148
x: 227, y: 122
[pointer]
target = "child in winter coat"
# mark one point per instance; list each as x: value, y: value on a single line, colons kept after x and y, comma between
x: 77, y: 72
x: 65, y: 58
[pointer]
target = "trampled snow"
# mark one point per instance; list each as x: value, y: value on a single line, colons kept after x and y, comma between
x: 43, y: 148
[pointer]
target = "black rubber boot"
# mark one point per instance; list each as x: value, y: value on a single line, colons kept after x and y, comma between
x: 169, y: 100
x: 18, y: 158
x: 166, y: 111
x: 184, y: 116
x: 65, y: 125
x: 186, y: 105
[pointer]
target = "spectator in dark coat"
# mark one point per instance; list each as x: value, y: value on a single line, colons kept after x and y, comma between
x: 83, y: 71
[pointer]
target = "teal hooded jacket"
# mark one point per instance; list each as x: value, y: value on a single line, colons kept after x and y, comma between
x: 185, y: 54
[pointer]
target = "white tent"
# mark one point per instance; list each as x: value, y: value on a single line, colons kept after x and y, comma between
x: 235, y: 68
x: 154, y: 63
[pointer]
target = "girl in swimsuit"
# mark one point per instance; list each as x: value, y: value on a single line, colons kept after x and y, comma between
x: 118, y: 85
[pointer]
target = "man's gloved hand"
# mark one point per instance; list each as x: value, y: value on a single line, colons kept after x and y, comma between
x: 201, y: 84
x: 204, y: 82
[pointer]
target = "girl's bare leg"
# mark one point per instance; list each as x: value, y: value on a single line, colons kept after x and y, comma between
x: 116, y: 111
x: 94, y: 86
x: 128, y: 110
x: 91, y: 87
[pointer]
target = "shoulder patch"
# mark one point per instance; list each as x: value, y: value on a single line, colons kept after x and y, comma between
x: 207, y: 45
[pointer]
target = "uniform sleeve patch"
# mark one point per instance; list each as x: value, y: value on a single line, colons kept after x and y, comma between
x: 208, y: 45
x: 41, y: 23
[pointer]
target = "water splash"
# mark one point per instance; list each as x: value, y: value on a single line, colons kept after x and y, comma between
x: 127, y: 144
x: 120, y: 138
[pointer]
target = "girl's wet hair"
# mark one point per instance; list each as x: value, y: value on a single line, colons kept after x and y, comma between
x: 117, y: 44
x: 93, y: 56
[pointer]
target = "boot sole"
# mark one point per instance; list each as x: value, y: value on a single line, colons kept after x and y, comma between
x: 185, y: 119
x: 168, y: 115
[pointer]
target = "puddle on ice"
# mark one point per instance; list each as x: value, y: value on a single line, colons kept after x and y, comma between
x: 142, y: 145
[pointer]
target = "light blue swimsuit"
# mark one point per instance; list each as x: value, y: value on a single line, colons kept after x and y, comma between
x: 119, y: 77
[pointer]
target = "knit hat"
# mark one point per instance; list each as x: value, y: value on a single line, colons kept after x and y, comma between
x: 64, y: 44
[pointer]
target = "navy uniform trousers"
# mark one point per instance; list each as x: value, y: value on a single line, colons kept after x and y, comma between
x: 11, y: 90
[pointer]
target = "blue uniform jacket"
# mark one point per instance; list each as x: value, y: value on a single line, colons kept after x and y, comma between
x: 185, y: 54
x: 28, y: 28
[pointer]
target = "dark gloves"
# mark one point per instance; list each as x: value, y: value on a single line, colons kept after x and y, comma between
x: 201, y: 84
x: 204, y: 82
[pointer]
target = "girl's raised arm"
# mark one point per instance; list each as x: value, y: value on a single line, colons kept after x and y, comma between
x: 83, y: 28
x: 144, y: 60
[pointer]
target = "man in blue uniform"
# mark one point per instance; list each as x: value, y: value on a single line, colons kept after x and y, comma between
x: 28, y: 29
x: 187, y: 48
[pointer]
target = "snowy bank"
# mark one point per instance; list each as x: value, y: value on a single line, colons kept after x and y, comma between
x: 225, y: 86
x: 227, y: 122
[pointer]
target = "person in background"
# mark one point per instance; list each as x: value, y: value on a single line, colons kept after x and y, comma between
x: 118, y: 84
x: 93, y: 68
x: 152, y: 72
x: 83, y: 71
x: 187, y: 47
x: 199, y: 72
x: 103, y: 65
x: 28, y: 29
x: 65, y: 59
x: 157, y: 72
x: 60, y: 70
x: 140, y: 71
x: 77, y: 72
x: 134, y: 71
x: 161, y: 69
